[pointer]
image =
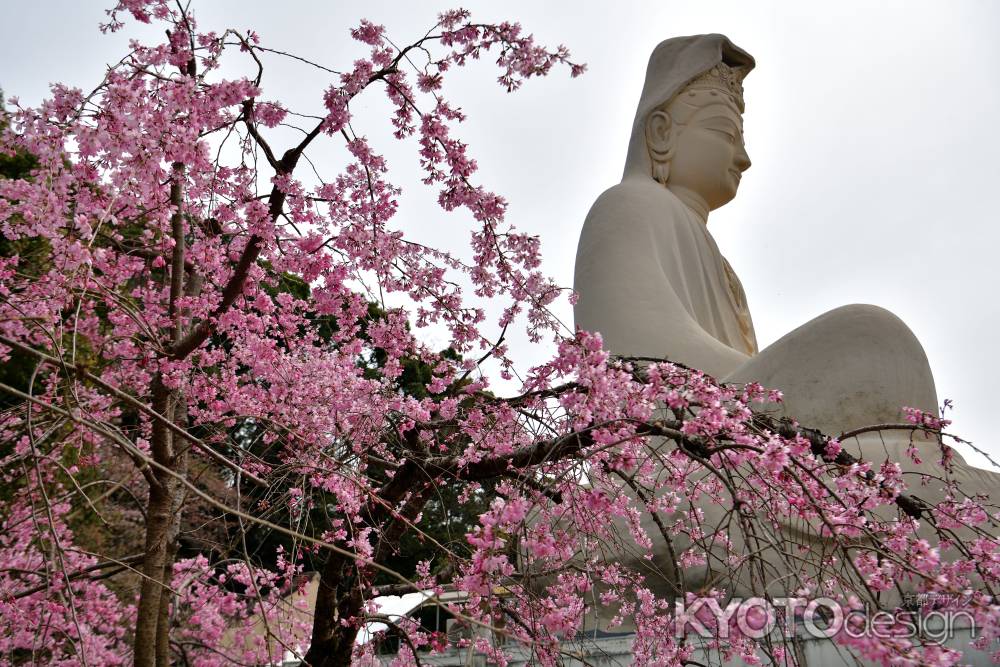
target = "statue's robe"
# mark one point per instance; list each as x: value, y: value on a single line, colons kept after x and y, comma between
x: 651, y: 279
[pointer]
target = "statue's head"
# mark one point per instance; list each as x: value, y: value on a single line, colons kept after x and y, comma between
x: 688, y: 132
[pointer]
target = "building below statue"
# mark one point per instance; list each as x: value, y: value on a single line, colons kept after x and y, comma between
x: 616, y: 651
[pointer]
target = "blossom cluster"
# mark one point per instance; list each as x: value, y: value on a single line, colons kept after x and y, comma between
x: 214, y: 351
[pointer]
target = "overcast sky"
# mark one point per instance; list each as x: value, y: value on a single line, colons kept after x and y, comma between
x: 872, y: 126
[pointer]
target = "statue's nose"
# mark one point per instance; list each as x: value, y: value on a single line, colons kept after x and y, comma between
x: 742, y: 159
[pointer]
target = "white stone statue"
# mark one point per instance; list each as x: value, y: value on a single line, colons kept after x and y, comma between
x: 652, y: 280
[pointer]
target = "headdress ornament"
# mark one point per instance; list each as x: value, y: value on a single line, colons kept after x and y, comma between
x: 721, y: 78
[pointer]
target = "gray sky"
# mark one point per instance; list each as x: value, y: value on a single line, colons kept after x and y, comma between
x: 872, y: 128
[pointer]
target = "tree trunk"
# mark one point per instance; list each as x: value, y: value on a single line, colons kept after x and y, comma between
x: 158, y: 522
x: 178, y: 496
x: 147, y: 615
x: 338, y: 597
x: 166, y: 496
x: 339, y: 594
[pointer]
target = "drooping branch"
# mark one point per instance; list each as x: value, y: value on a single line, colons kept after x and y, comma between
x: 547, y: 451
x: 137, y: 404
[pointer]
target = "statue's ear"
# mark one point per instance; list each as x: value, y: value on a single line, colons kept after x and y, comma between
x: 660, y: 141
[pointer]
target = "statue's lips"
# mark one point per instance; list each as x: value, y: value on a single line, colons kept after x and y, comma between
x: 736, y: 173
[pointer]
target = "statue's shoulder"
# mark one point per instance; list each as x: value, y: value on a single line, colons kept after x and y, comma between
x: 634, y: 207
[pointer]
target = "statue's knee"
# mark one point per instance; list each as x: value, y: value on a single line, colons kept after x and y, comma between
x: 881, y: 353
x: 876, y: 327
x: 867, y: 315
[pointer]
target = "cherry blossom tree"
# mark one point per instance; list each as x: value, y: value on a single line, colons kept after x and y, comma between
x: 221, y: 340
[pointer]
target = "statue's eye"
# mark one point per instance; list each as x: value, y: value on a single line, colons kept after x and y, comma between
x: 723, y: 126
x: 728, y: 134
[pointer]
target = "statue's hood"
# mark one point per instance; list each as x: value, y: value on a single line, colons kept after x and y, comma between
x: 673, y: 64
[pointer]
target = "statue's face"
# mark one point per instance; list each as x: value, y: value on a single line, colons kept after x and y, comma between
x: 709, y: 155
